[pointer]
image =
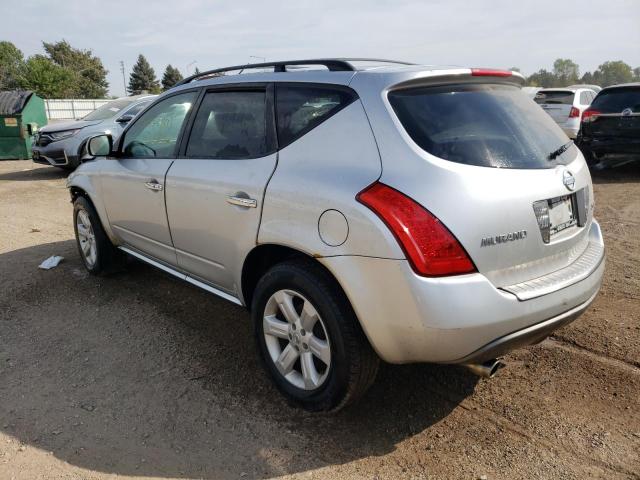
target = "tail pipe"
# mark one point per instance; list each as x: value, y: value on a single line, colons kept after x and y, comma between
x: 487, y: 369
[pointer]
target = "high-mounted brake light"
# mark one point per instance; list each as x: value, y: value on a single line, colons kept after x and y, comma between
x: 431, y: 248
x: 490, y: 72
x: 574, y: 112
x: 589, y: 115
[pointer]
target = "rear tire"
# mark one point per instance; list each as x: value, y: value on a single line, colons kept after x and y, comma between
x: 330, y: 364
x: 98, y: 254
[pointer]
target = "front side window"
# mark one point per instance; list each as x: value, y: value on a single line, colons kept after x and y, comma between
x: 301, y: 108
x: 155, y: 134
x: 230, y: 125
x: 484, y: 125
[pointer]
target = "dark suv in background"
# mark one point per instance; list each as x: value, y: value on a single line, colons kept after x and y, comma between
x: 610, y: 130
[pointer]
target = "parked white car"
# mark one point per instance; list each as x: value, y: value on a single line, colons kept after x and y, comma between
x: 565, y: 106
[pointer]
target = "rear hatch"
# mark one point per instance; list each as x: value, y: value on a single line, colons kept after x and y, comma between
x: 557, y: 103
x: 498, y: 172
x: 614, y: 113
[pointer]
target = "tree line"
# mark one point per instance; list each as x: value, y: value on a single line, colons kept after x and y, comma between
x: 566, y: 72
x: 67, y: 72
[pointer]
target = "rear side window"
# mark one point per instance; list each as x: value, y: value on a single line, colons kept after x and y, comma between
x: 230, y: 125
x: 550, y: 97
x: 585, y: 98
x: 484, y: 125
x: 300, y: 108
x: 617, y: 99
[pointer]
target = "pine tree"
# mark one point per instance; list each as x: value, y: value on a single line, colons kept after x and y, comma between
x: 196, y: 71
x: 171, y: 77
x: 143, y: 78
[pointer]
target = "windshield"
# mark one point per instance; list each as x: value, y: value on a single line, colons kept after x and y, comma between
x: 548, y: 97
x: 108, y: 110
x: 617, y: 99
x: 485, y: 125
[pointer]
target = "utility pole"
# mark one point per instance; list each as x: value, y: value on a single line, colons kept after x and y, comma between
x: 124, y: 81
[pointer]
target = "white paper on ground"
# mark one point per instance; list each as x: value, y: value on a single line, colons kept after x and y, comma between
x: 51, y: 262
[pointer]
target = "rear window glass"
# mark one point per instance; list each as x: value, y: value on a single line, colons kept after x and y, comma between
x: 616, y: 100
x: 554, y: 97
x: 484, y: 125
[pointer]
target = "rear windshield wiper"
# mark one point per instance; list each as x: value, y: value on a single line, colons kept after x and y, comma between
x: 559, y: 151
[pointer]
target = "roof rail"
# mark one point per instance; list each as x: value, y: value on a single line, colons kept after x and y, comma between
x: 332, y: 64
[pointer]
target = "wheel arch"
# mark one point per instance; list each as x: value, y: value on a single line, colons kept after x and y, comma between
x: 264, y: 256
x: 81, y: 186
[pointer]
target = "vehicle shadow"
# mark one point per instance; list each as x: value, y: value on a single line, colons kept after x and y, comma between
x: 141, y: 374
x: 629, y: 173
x: 35, y: 173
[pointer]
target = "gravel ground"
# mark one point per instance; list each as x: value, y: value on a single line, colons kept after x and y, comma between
x: 140, y: 375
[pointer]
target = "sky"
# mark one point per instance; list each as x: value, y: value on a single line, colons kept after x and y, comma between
x: 492, y: 33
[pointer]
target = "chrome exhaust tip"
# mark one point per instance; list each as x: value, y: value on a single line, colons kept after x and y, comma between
x: 487, y: 369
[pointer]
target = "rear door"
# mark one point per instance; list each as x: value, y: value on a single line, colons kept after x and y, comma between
x: 215, y: 189
x: 133, y: 183
x: 557, y: 103
x: 618, y: 114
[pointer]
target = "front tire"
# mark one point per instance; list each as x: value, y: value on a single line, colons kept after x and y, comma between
x: 96, y: 250
x: 309, y: 337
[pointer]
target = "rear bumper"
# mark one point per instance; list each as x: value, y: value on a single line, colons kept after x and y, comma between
x: 459, y: 319
x: 611, y: 145
x: 571, y: 127
x: 527, y: 336
x: 571, y: 131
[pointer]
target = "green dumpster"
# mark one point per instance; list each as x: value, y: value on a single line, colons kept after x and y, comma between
x: 22, y: 113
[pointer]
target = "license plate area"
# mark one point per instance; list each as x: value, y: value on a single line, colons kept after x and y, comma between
x: 563, y: 214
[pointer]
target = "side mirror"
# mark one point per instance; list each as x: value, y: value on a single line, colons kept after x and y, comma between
x: 99, y: 146
x: 125, y: 119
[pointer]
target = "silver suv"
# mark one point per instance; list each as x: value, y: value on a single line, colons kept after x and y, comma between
x: 362, y: 212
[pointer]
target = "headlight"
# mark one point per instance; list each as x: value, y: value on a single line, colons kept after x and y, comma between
x: 63, y: 134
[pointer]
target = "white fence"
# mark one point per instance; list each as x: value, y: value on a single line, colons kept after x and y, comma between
x: 70, y: 109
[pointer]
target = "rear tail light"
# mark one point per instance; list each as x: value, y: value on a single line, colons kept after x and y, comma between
x: 574, y: 113
x: 490, y: 72
x: 431, y: 248
x: 541, y: 209
x: 590, y: 115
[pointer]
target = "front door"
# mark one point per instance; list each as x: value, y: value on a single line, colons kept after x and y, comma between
x: 214, y: 192
x: 133, y: 184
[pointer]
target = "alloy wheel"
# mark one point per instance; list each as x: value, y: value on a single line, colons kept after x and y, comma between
x: 297, y: 339
x: 86, y: 238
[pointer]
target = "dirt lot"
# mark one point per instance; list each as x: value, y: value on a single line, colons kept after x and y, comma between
x: 140, y: 375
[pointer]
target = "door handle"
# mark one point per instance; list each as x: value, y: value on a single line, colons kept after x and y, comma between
x: 242, y: 201
x: 154, y: 185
